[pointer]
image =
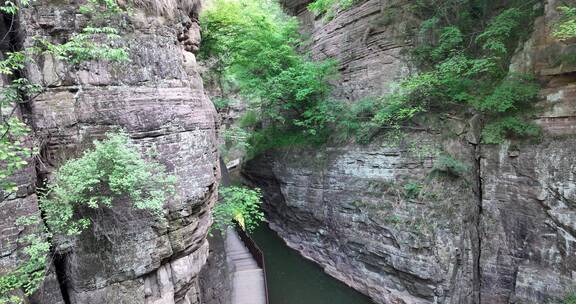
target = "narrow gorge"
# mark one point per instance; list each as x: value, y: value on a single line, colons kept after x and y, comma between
x: 414, y: 151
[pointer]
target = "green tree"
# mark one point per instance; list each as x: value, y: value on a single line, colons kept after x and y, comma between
x: 252, y: 45
x: 238, y: 205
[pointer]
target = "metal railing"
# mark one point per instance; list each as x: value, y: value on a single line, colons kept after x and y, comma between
x: 256, y: 253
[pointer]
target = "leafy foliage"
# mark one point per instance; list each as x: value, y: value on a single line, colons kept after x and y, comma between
x: 96, y: 40
x: 101, y: 9
x: 512, y: 94
x: 30, y: 274
x: 498, y: 130
x: 13, y: 151
x: 249, y: 119
x: 412, y: 189
x: 113, y: 169
x: 235, y: 138
x: 355, y: 122
x: 566, y: 28
x: 464, y: 50
x: 329, y: 8
x: 570, y: 298
x: 252, y: 45
x: 238, y: 204
x: 273, y: 138
x: 448, y: 165
x: 13, y: 147
x: 11, y: 7
x: 497, y: 36
x: 90, y: 44
x: 221, y: 103
x: 451, y: 40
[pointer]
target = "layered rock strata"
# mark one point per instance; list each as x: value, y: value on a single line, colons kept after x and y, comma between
x: 157, y: 98
x: 502, y: 232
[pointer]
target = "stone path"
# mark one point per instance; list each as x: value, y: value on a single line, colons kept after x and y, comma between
x: 247, y: 278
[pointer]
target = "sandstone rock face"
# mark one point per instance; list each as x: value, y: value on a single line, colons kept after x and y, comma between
x: 349, y: 209
x: 528, y: 220
x: 367, y: 40
x: 528, y: 198
x: 127, y: 256
x: 503, y: 232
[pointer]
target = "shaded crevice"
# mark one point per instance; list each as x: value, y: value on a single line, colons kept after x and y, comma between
x: 60, y: 267
x: 59, y: 260
x: 477, y: 238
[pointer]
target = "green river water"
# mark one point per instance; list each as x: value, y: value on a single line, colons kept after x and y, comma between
x: 295, y: 280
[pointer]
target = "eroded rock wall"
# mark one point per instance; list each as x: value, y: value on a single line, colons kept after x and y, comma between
x: 127, y: 256
x: 528, y: 189
x: 501, y: 233
x: 367, y: 40
x: 347, y: 209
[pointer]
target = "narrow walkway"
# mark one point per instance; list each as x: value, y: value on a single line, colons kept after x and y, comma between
x: 247, y: 277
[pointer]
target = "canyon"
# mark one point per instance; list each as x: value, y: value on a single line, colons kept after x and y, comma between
x: 387, y: 218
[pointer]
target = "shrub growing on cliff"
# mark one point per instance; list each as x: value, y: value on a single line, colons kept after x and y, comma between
x: 329, y: 8
x: 16, y: 144
x: 30, y: 273
x: 448, y: 165
x: 464, y: 63
x: 240, y: 205
x: 113, y: 170
x: 412, y: 189
x: 566, y: 27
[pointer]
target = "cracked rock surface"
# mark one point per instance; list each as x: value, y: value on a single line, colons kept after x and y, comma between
x: 503, y: 232
x: 126, y: 256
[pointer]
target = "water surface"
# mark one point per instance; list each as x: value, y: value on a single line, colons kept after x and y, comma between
x: 294, y: 280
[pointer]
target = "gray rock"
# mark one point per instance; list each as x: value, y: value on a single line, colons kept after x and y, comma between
x: 126, y: 256
x: 503, y: 232
x: 347, y: 209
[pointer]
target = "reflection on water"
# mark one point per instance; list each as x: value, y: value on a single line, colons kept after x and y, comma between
x: 295, y: 280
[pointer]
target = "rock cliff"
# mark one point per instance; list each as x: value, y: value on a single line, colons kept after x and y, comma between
x: 158, y: 99
x: 387, y: 219
x: 368, y: 42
